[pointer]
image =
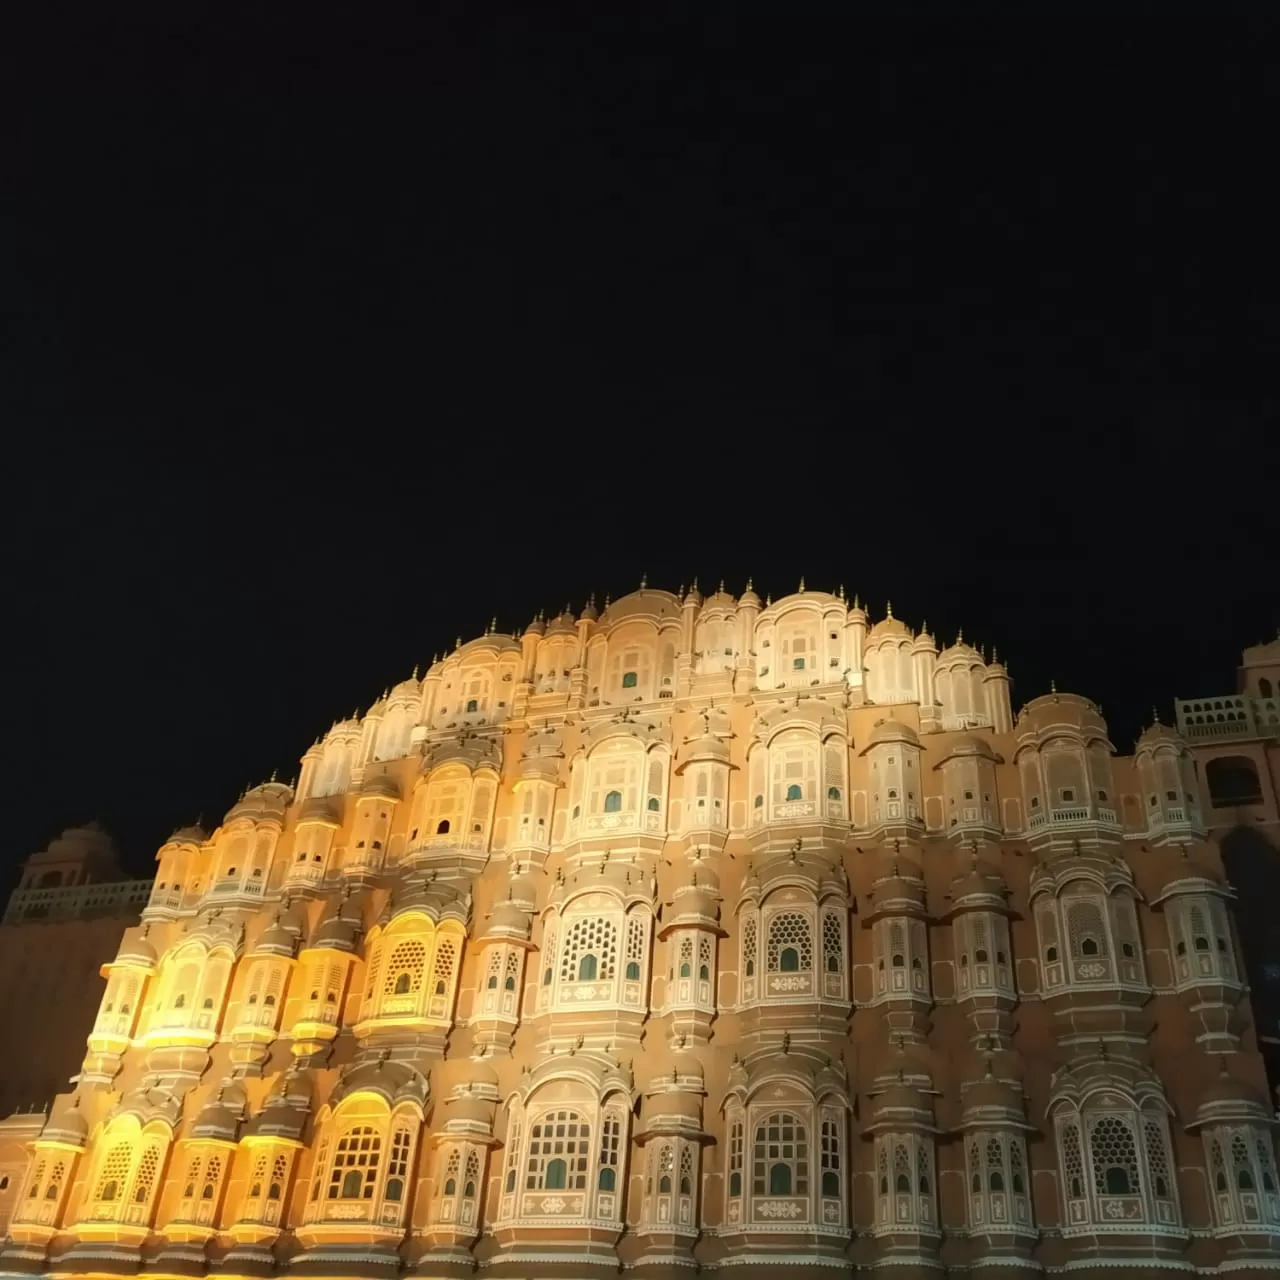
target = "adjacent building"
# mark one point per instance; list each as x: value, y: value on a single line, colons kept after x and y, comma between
x: 1235, y: 739
x: 65, y: 918
x: 709, y: 932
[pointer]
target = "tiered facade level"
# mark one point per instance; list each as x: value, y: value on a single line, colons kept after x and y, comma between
x: 699, y: 932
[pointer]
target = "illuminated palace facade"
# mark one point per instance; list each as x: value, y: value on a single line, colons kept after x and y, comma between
x: 697, y: 932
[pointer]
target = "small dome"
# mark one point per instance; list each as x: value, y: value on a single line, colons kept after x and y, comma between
x: 901, y: 892
x: 891, y: 731
x: 1229, y: 1099
x: 1055, y: 711
x: 924, y: 643
x: 194, y: 834
x: 216, y: 1120
x: 589, y: 611
x: 407, y: 690
x: 136, y: 950
x: 720, y: 599
x: 536, y: 627
x: 889, y: 626
x: 381, y: 786
x: 901, y: 1102
x: 275, y: 940
x: 644, y: 603
x: 979, y: 885
x: 66, y: 1124
x: 749, y: 599
x: 959, y: 654
x: 706, y: 747
x: 509, y: 919
x: 1158, y: 735
x: 693, y: 596
x: 334, y: 934
x: 990, y: 1099
x: 564, y: 625
x: 968, y: 744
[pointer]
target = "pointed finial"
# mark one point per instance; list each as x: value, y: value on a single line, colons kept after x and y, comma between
x: 749, y: 587
x: 720, y: 588
x: 995, y: 654
x: 457, y: 643
x: 608, y: 600
x: 888, y: 608
x: 1155, y: 715
x: 680, y: 593
x: 840, y: 593
x: 768, y: 600
x: 1053, y: 686
x: 802, y: 584
x: 960, y: 636
x: 493, y: 625
x: 644, y: 581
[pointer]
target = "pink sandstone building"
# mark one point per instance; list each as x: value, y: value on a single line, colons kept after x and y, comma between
x: 718, y: 933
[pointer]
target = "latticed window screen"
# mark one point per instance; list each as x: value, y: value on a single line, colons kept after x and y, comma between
x: 1017, y: 1167
x: 749, y: 945
x: 513, y: 970
x: 610, y: 1141
x: 355, y: 1164
x: 590, y: 937
x: 832, y: 948
x: 115, y: 1168
x: 279, y: 1168
x: 735, y: 1158
x: 54, y: 1186
x: 1157, y: 1158
x: 442, y: 966
x: 789, y: 931
x: 882, y: 1170
x: 704, y: 957
x: 559, y: 1153
x: 212, y: 1173
x: 321, y: 1156
x: 473, y: 1175
x: 257, y: 1177
x: 1085, y: 930
x: 780, y: 1159
x: 494, y: 969
x: 1261, y: 1141
x: 1072, y: 1160
x: 635, y: 945
x: 1217, y: 1165
x: 148, y: 1167
x: 975, y: 1166
x: 830, y: 1158
x: 925, y: 1169
x: 37, y: 1176
x: 901, y: 1167
x: 451, y: 1169
x: 897, y: 943
x: 995, y: 1165
x: 686, y: 1171
x: 686, y: 957
x: 405, y: 969
x: 398, y: 1164
x: 1113, y: 1155
x: 513, y: 1157
x: 374, y: 961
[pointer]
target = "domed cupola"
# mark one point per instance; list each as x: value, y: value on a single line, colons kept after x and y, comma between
x: 219, y: 1119
x: 748, y: 599
x: 897, y: 919
x: 66, y: 1124
x: 266, y: 802
x: 693, y: 597
x: 335, y: 934
x: 1064, y: 760
x: 982, y: 954
x: 275, y: 940
x: 893, y: 754
x: 137, y: 951
x: 906, y: 1172
x: 968, y: 767
x: 1170, y: 788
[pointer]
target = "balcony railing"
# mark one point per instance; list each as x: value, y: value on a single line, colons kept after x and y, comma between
x: 118, y: 897
x: 1226, y: 719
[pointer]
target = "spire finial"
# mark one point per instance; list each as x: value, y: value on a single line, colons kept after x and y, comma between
x: 720, y: 588
x: 493, y: 625
x: 768, y: 600
x: 995, y: 654
x: 1053, y: 686
x: 749, y: 586
x: 802, y: 583
x: 644, y: 581
x: 457, y: 642
x: 888, y: 608
x: 840, y: 593
x: 1155, y: 715
x: 960, y: 636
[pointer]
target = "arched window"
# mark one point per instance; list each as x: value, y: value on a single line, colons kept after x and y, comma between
x: 442, y: 827
x: 472, y: 705
x: 1264, y: 687
x: 1232, y: 780
x: 587, y: 968
x: 613, y: 802
x: 355, y: 1164
x: 790, y: 943
x: 629, y: 679
x: 780, y: 1158
x: 795, y: 792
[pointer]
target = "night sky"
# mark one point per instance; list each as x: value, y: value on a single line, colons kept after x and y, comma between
x: 331, y: 332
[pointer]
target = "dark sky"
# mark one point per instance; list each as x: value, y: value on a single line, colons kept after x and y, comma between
x: 330, y: 332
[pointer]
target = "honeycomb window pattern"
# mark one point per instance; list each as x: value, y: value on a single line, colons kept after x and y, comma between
x: 1113, y: 1156
x: 148, y: 1167
x: 832, y: 943
x: 635, y: 946
x: 749, y: 946
x: 590, y: 951
x: 790, y: 943
x: 405, y: 969
x: 442, y: 966
x: 115, y: 1168
x: 610, y: 1143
